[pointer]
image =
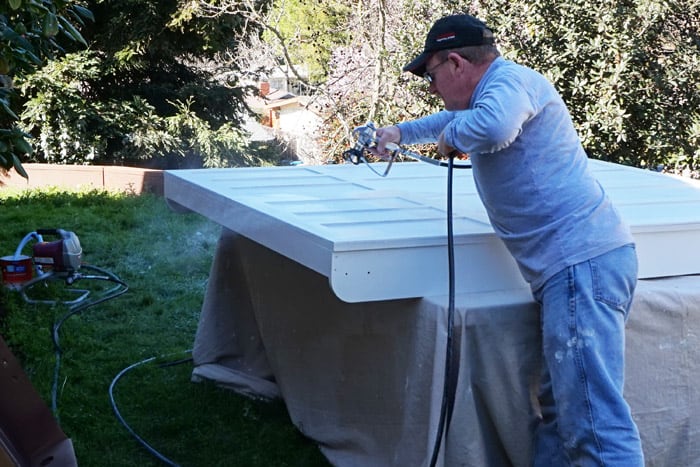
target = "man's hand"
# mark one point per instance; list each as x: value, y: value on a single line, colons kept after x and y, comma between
x: 386, y: 136
x: 444, y: 148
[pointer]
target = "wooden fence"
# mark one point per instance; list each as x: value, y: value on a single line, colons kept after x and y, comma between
x: 129, y: 179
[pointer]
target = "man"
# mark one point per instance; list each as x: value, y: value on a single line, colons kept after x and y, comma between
x: 569, y: 242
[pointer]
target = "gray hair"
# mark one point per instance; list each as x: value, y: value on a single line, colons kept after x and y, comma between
x: 476, y: 54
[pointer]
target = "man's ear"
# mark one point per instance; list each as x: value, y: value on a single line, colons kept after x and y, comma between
x: 459, y: 61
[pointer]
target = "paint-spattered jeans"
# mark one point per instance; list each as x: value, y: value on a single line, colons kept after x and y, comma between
x: 585, y: 420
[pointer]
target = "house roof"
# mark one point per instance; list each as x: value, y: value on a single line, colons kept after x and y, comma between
x: 277, y: 98
x: 278, y: 95
x: 283, y: 103
x: 274, y: 98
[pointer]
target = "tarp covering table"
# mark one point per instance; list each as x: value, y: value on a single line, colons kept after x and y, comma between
x: 331, y: 294
x: 365, y: 379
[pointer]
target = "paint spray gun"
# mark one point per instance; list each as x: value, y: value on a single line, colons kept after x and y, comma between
x: 365, y: 137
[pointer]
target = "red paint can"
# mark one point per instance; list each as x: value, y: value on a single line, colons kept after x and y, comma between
x: 16, y: 270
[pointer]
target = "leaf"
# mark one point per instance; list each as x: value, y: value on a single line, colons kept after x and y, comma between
x: 50, y: 27
x: 84, y: 12
x: 15, y: 4
x: 71, y: 31
x: 18, y: 167
x: 18, y: 39
x: 22, y: 145
x: 32, y: 57
x: 8, y: 110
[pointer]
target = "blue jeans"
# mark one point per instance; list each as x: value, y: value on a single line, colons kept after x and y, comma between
x: 585, y: 420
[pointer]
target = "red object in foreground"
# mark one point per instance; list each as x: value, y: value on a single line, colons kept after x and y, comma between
x: 16, y: 270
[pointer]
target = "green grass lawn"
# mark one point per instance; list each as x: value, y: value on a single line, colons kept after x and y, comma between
x: 164, y: 258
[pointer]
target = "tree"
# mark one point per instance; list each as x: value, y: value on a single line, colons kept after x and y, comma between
x: 315, y: 28
x: 31, y: 32
x: 363, y: 66
x: 366, y: 82
x: 628, y: 70
x: 149, y: 91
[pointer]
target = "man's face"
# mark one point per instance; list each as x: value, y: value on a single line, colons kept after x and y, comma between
x: 451, y: 79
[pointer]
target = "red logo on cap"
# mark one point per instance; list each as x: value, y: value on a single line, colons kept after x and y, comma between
x: 445, y: 37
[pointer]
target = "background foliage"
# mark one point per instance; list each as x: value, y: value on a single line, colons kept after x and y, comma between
x: 31, y: 32
x: 166, y: 78
x: 307, y: 32
x: 148, y: 85
x: 628, y: 70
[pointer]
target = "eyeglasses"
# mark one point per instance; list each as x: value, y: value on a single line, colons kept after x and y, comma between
x: 428, y: 75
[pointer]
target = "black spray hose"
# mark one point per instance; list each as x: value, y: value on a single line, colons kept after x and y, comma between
x: 120, y: 288
x: 165, y: 460
x: 450, y: 370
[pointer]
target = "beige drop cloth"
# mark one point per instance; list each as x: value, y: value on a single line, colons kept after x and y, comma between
x: 365, y: 380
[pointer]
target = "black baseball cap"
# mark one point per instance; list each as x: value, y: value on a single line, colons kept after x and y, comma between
x: 451, y: 32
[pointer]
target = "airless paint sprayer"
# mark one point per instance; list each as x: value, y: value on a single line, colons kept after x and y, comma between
x: 61, y: 257
x: 57, y: 259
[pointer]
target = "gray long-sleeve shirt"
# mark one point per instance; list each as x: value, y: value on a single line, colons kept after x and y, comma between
x: 530, y: 169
